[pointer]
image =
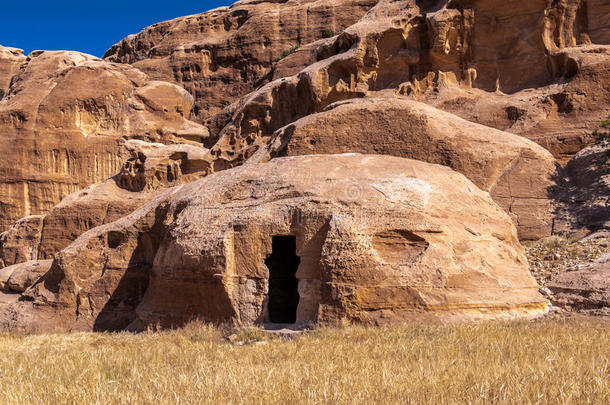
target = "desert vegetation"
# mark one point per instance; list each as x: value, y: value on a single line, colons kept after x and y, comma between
x: 286, y: 53
x: 554, y: 361
x: 602, y: 135
x: 328, y: 33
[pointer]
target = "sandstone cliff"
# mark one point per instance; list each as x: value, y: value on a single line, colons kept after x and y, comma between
x: 91, y: 147
x: 492, y: 45
x: 225, y: 53
x: 63, y: 121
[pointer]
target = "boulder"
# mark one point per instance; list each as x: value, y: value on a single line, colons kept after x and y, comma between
x: 22, y: 241
x: 585, y: 290
x: 365, y: 237
x: 24, y: 275
x: 517, y: 173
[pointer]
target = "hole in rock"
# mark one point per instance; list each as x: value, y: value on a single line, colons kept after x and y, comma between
x: 283, y: 294
x: 115, y: 239
x: 399, y: 246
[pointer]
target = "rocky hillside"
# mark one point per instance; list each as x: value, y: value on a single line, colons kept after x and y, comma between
x: 154, y: 185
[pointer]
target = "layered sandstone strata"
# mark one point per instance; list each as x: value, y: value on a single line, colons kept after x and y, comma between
x: 225, y: 53
x: 63, y: 121
x: 148, y: 169
x: 560, y: 116
x: 498, y: 47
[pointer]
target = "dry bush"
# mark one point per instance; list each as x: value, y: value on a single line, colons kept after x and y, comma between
x: 549, y: 362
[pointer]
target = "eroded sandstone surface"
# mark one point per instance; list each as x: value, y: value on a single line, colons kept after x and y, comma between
x: 101, y: 156
x: 63, y: 120
x: 380, y: 239
x: 223, y: 54
x: 518, y: 174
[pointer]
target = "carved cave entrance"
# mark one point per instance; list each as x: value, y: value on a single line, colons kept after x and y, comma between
x: 283, y: 296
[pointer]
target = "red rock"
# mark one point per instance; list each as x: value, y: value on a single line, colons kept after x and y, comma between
x: 224, y: 53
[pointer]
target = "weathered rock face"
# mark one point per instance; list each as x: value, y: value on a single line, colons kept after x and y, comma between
x: 224, y: 53
x: 11, y: 60
x: 585, y: 199
x: 63, y: 120
x: 41, y: 236
x: 559, y: 117
x: 512, y: 45
x: 374, y: 238
x: 153, y: 165
x: 408, y: 48
x: 22, y: 241
x: 379, y: 239
x: 151, y: 168
x: 517, y: 173
x: 491, y: 45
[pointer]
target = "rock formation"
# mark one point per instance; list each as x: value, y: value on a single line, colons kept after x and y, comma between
x: 225, y: 53
x: 490, y: 45
x: 560, y: 116
x: 517, y: 173
x: 63, y: 120
x: 20, y: 277
x: 102, y: 165
x: 150, y: 168
x: 585, y: 198
x: 585, y: 290
x: 11, y: 60
x: 379, y: 239
x: 22, y: 241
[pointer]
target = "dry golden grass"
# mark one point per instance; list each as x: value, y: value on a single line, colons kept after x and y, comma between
x: 550, y: 362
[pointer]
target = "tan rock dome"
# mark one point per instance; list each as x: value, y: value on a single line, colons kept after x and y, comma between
x: 310, y: 238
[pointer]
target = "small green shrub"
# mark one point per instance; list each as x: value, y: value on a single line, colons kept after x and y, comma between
x: 2, y: 94
x: 328, y: 33
x: 286, y: 53
x: 602, y: 135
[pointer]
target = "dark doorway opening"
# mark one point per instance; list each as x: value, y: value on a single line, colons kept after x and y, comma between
x: 283, y: 293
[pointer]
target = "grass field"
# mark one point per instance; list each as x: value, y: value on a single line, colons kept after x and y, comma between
x: 549, y: 362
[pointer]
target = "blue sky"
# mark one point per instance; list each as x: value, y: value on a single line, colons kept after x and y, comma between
x: 85, y: 25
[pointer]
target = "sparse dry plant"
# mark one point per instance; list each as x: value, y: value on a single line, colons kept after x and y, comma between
x: 550, y: 361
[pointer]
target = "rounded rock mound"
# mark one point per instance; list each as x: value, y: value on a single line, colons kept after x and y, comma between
x: 298, y: 239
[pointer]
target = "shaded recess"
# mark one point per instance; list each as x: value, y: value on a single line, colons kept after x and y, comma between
x: 283, y: 263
